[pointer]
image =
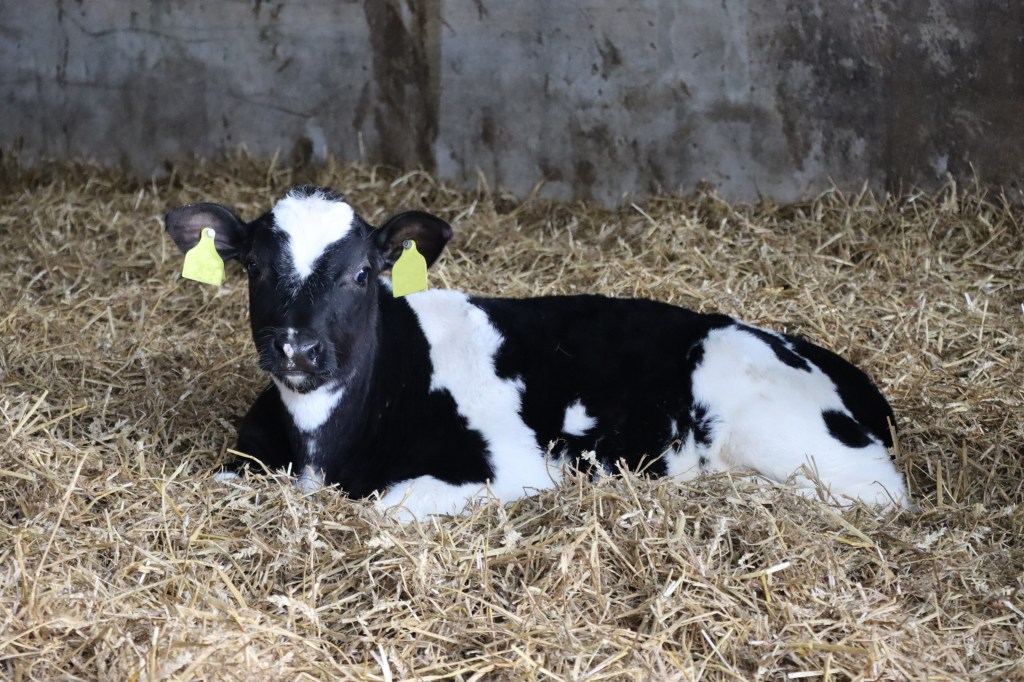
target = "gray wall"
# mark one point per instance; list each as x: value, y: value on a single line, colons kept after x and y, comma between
x: 771, y: 98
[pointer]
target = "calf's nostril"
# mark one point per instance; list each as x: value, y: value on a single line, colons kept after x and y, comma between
x: 282, y: 346
x: 307, y: 353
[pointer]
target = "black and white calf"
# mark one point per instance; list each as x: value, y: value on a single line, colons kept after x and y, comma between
x: 435, y: 398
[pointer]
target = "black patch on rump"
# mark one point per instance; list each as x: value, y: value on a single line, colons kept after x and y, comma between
x: 860, y: 396
x: 872, y: 415
x: 844, y: 429
x: 779, y: 347
x: 702, y: 424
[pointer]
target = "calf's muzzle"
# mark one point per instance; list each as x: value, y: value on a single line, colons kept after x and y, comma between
x: 296, y: 351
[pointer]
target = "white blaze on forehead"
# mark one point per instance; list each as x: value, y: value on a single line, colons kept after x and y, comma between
x: 312, y: 224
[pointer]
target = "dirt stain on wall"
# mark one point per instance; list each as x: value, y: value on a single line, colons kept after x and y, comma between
x: 910, y: 91
x: 405, y: 41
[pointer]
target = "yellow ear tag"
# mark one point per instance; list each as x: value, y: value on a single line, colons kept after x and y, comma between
x: 409, y: 274
x: 202, y: 262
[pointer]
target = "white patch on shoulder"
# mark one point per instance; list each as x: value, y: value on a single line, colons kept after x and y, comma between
x: 312, y: 223
x: 310, y: 410
x: 577, y: 422
x: 424, y: 496
x: 463, y: 346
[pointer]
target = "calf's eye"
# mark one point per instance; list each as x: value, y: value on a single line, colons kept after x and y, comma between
x: 252, y: 267
x: 362, y: 276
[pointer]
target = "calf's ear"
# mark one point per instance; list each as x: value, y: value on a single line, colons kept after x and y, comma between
x: 186, y: 223
x: 429, y: 232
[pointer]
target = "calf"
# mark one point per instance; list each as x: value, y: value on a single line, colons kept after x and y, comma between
x: 439, y: 397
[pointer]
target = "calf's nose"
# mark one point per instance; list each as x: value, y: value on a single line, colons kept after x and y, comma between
x: 302, y: 351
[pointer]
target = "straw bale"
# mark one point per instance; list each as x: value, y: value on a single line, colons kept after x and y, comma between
x: 121, y: 386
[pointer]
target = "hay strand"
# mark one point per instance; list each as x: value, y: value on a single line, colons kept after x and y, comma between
x: 121, y: 557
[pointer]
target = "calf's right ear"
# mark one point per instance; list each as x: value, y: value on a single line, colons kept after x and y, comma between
x: 428, y: 231
x: 186, y: 223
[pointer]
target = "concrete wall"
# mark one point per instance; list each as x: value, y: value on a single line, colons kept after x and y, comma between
x: 768, y: 98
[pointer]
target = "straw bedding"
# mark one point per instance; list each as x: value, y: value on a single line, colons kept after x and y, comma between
x: 121, y: 558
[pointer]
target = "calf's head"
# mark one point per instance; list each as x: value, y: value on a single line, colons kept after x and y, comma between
x: 314, y: 269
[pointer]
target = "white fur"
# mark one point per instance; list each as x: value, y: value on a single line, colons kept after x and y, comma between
x: 767, y: 416
x: 310, y: 480
x: 310, y: 410
x: 418, y: 498
x: 312, y: 224
x: 576, y: 421
x: 463, y: 345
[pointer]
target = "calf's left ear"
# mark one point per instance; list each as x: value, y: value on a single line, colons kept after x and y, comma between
x: 429, y: 232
